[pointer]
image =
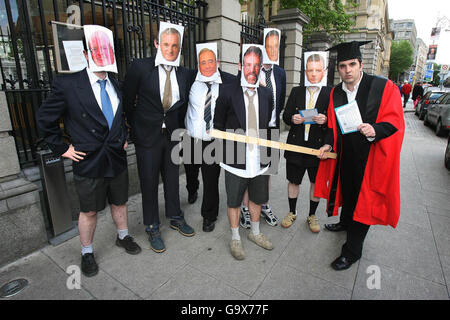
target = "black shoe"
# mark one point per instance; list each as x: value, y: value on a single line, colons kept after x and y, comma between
x: 341, y: 263
x: 208, y: 225
x: 128, y: 243
x: 192, y: 197
x: 88, y: 265
x: 335, y: 227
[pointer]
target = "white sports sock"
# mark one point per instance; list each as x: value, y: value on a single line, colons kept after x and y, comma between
x: 87, y: 249
x: 122, y: 233
x: 235, y: 234
x: 254, y: 227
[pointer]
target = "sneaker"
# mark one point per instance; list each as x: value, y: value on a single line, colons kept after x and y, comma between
x: 245, y: 218
x: 261, y: 240
x: 156, y: 242
x: 289, y: 219
x: 266, y: 212
x: 182, y: 227
x: 129, y: 244
x: 88, y: 265
x: 236, y: 249
x: 313, y: 223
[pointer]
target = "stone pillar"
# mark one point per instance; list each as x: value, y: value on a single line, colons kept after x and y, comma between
x: 223, y: 28
x: 291, y: 22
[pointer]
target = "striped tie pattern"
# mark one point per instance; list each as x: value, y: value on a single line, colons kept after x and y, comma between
x: 207, y: 111
x: 269, y: 83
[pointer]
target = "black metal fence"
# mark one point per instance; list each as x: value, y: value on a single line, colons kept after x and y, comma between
x: 27, y: 55
x: 252, y: 31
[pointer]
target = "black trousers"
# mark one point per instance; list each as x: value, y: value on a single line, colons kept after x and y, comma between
x: 210, y: 177
x: 405, y: 99
x: 151, y: 162
x: 352, y: 173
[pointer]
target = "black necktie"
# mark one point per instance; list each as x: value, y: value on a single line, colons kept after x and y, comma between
x: 207, y: 111
x: 269, y: 84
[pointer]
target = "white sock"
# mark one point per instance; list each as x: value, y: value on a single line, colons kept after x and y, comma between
x: 254, y: 227
x: 87, y: 249
x: 122, y: 233
x: 235, y: 234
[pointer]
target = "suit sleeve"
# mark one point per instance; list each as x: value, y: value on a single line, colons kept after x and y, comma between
x: 283, y: 90
x: 220, y: 112
x: 130, y: 90
x: 290, y: 108
x: 51, y: 110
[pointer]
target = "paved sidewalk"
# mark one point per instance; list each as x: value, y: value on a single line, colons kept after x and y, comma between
x: 413, y: 259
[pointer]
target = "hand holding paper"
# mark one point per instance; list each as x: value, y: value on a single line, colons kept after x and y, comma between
x: 308, y: 114
x: 349, y: 117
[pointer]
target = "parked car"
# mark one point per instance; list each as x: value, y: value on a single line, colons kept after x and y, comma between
x: 429, y: 98
x: 447, y: 154
x: 438, y: 114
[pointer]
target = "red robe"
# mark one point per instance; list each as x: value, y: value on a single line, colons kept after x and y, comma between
x: 379, y: 197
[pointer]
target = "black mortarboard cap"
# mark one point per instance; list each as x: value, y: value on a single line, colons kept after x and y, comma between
x: 348, y: 50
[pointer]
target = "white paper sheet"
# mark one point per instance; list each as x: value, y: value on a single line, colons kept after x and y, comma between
x: 308, y: 114
x: 74, y: 55
x: 349, y: 117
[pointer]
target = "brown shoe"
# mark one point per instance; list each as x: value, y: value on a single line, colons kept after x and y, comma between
x: 289, y: 219
x: 236, y: 249
x: 261, y: 240
x: 314, y: 225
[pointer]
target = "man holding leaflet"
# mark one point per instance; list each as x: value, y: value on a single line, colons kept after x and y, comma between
x: 356, y: 180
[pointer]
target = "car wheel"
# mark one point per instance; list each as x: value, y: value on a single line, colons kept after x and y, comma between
x: 439, y: 129
x: 425, y: 120
x: 447, y: 155
x: 421, y: 115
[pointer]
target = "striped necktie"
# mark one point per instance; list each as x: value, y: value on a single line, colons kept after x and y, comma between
x: 207, y: 111
x: 106, y: 103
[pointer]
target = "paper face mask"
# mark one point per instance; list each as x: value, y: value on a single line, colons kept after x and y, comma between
x: 100, y: 44
x: 316, y: 68
x: 169, y: 44
x: 251, y: 65
x: 207, y: 62
x: 271, y: 46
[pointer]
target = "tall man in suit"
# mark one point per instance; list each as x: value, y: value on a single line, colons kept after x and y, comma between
x: 155, y: 102
x: 312, y: 96
x: 90, y: 104
x: 245, y: 108
x: 199, y: 116
x: 273, y: 77
x: 365, y: 178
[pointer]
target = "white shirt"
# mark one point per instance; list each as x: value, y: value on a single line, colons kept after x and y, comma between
x: 109, y: 89
x: 252, y: 157
x: 262, y: 81
x: 173, y: 83
x: 194, y: 121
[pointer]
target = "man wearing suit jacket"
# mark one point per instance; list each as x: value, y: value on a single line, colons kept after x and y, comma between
x: 202, y: 103
x: 273, y: 77
x: 305, y: 135
x: 91, y: 105
x: 155, y: 102
x: 246, y: 109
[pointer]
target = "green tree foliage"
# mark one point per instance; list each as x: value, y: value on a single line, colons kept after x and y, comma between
x: 401, y: 58
x: 326, y: 15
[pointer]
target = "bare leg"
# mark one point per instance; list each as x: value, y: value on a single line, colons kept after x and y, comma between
x: 245, y: 198
x: 120, y: 216
x: 233, y: 217
x: 255, y: 211
x: 86, y: 227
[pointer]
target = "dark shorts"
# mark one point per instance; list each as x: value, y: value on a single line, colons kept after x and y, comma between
x: 295, y: 173
x: 93, y: 192
x: 258, y: 189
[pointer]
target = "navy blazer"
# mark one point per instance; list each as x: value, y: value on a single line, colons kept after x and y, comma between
x: 143, y: 105
x: 230, y: 114
x: 72, y: 99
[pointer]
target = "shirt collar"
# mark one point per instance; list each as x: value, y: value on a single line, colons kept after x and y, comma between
x: 250, y: 91
x: 355, y: 89
x: 93, y: 78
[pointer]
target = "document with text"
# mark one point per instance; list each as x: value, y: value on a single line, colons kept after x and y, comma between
x: 349, y: 117
x: 308, y: 114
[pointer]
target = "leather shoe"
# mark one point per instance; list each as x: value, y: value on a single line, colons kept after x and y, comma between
x: 341, y: 263
x: 192, y: 197
x: 335, y: 227
x: 208, y: 225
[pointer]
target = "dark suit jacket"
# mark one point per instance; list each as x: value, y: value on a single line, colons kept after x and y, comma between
x: 280, y: 82
x: 296, y: 135
x: 230, y: 114
x: 72, y: 99
x: 143, y: 105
